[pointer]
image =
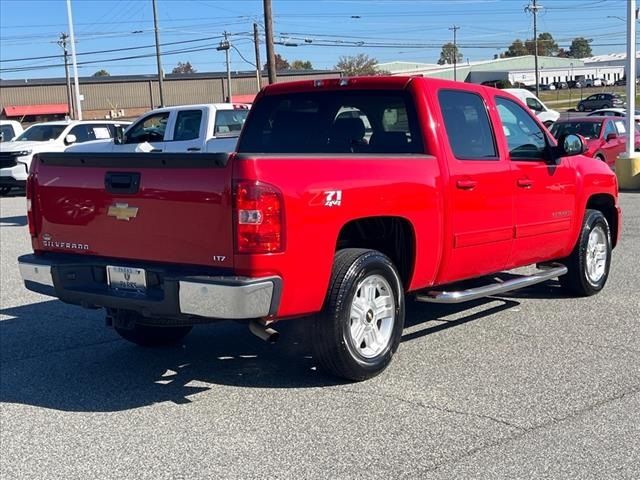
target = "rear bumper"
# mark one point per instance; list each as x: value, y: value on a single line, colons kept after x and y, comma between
x: 169, y: 296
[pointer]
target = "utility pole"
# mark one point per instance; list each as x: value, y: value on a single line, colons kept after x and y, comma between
x: 534, y: 8
x: 72, y: 39
x: 256, y: 42
x: 632, y: 16
x: 268, y: 31
x: 158, y: 60
x: 455, y: 29
x: 225, y: 45
x: 63, y: 43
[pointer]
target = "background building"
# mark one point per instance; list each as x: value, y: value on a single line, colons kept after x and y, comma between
x: 129, y: 96
x: 516, y: 69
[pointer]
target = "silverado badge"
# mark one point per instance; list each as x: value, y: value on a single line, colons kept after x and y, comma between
x: 122, y: 211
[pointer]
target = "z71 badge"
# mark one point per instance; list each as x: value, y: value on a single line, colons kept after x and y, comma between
x: 333, y: 198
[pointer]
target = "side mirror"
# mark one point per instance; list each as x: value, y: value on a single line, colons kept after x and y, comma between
x: 70, y: 139
x: 572, y: 145
x: 611, y: 136
x: 120, y: 137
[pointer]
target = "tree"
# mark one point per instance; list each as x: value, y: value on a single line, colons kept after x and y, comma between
x: 281, y: 63
x: 184, y: 68
x: 301, y: 65
x: 449, y: 53
x: 358, y: 65
x: 516, y: 49
x: 580, y: 48
x: 547, y: 46
x: 101, y: 73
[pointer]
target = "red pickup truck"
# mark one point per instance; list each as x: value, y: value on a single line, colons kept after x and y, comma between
x: 344, y: 197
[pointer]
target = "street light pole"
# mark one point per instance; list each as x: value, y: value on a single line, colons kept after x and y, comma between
x: 455, y: 29
x: 158, y: 60
x: 631, y: 76
x: 76, y: 83
x: 268, y: 32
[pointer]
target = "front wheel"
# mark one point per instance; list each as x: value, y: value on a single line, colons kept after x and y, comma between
x: 590, y: 260
x: 581, y: 108
x: 5, y: 191
x: 361, y: 324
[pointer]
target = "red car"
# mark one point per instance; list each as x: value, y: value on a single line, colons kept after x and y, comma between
x: 344, y: 197
x: 605, y: 136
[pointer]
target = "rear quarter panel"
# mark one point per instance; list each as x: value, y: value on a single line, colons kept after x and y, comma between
x: 383, y: 185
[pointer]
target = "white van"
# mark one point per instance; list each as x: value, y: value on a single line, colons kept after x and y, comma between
x: 546, y: 115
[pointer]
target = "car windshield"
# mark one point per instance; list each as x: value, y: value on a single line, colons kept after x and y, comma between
x: 588, y: 130
x: 41, y: 133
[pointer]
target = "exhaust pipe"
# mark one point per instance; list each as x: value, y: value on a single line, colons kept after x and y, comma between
x: 264, y: 333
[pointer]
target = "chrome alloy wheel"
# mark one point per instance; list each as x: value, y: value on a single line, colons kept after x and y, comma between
x: 372, y: 316
x: 596, y: 255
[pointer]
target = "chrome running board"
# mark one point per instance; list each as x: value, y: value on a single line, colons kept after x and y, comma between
x: 547, y: 272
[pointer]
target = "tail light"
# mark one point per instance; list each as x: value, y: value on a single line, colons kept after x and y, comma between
x: 259, y: 218
x: 31, y: 205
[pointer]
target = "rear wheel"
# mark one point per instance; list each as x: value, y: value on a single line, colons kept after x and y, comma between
x: 4, y: 190
x: 360, y: 327
x: 590, y: 260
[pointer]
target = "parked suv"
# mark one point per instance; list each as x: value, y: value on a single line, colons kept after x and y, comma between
x: 601, y: 100
x: 16, y: 156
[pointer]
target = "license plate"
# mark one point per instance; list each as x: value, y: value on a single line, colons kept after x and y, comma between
x: 126, y: 278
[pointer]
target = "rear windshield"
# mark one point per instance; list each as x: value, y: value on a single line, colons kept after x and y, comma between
x: 41, y: 133
x: 586, y: 129
x: 333, y: 122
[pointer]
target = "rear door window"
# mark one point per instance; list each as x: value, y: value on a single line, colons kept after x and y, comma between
x: 467, y: 125
x: 187, y: 125
x: 331, y: 121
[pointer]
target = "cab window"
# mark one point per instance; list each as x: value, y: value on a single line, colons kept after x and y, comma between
x: 149, y: 129
x: 467, y: 125
x: 609, y: 129
x: 525, y: 138
x: 534, y: 105
x: 229, y: 122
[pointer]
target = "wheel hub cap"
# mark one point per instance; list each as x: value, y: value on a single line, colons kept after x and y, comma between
x: 372, y: 316
x: 596, y: 255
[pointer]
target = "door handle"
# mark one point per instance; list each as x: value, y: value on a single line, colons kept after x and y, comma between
x: 525, y: 183
x: 466, y: 184
x: 193, y: 149
x: 156, y: 150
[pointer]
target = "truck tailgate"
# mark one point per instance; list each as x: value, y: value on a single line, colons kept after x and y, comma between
x: 143, y: 206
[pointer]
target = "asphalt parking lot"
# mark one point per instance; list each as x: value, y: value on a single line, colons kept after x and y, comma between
x: 530, y: 385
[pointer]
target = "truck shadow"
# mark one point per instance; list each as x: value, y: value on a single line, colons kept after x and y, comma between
x: 61, y: 357
x: 17, y: 221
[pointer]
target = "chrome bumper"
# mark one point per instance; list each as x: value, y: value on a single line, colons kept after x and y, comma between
x: 229, y: 298
x: 251, y: 299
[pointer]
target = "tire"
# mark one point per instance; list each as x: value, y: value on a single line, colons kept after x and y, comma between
x: 580, y: 107
x: 590, y: 261
x: 147, y: 335
x: 349, y: 340
x: 548, y: 123
x: 5, y: 191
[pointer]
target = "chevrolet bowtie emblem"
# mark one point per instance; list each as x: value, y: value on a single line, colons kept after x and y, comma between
x: 122, y: 211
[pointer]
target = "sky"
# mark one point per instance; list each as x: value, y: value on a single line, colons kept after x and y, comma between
x: 316, y: 30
